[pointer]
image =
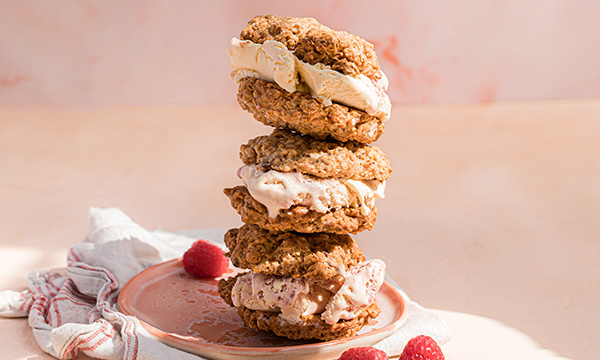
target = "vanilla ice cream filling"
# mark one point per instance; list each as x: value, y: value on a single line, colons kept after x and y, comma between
x: 273, y: 62
x: 281, y: 190
x: 341, y: 298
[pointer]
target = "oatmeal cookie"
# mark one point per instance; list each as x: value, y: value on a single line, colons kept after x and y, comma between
x: 291, y: 254
x: 314, y: 43
x: 274, y: 106
x: 312, y: 327
x: 298, y: 217
x: 286, y: 151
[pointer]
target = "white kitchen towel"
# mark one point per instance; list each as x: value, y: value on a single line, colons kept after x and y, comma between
x: 77, y: 311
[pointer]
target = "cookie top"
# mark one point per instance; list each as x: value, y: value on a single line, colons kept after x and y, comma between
x: 314, y: 43
x: 287, y: 151
x: 274, y: 106
x: 291, y: 254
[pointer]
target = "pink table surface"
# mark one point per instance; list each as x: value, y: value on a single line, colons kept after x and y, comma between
x: 491, y: 212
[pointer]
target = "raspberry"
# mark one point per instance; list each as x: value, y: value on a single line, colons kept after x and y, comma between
x: 205, y: 259
x: 422, y: 347
x: 363, y: 353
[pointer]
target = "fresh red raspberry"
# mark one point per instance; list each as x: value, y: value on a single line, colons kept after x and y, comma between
x: 422, y: 347
x: 205, y: 259
x: 363, y: 353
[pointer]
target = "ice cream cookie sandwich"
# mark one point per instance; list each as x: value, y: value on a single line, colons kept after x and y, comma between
x: 296, y: 183
x: 301, y: 286
x: 298, y: 74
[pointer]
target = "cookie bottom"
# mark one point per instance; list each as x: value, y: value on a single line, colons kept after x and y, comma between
x: 313, y: 327
x: 299, y: 218
x: 274, y: 106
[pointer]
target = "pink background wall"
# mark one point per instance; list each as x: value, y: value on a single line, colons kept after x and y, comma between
x: 153, y: 51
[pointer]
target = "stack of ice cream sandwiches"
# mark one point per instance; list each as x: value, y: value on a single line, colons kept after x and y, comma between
x: 309, y: 183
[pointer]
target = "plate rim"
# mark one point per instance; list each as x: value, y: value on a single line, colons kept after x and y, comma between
x: 184, y: 341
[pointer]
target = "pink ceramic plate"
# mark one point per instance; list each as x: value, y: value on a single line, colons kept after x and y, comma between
x: 187, y: 313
